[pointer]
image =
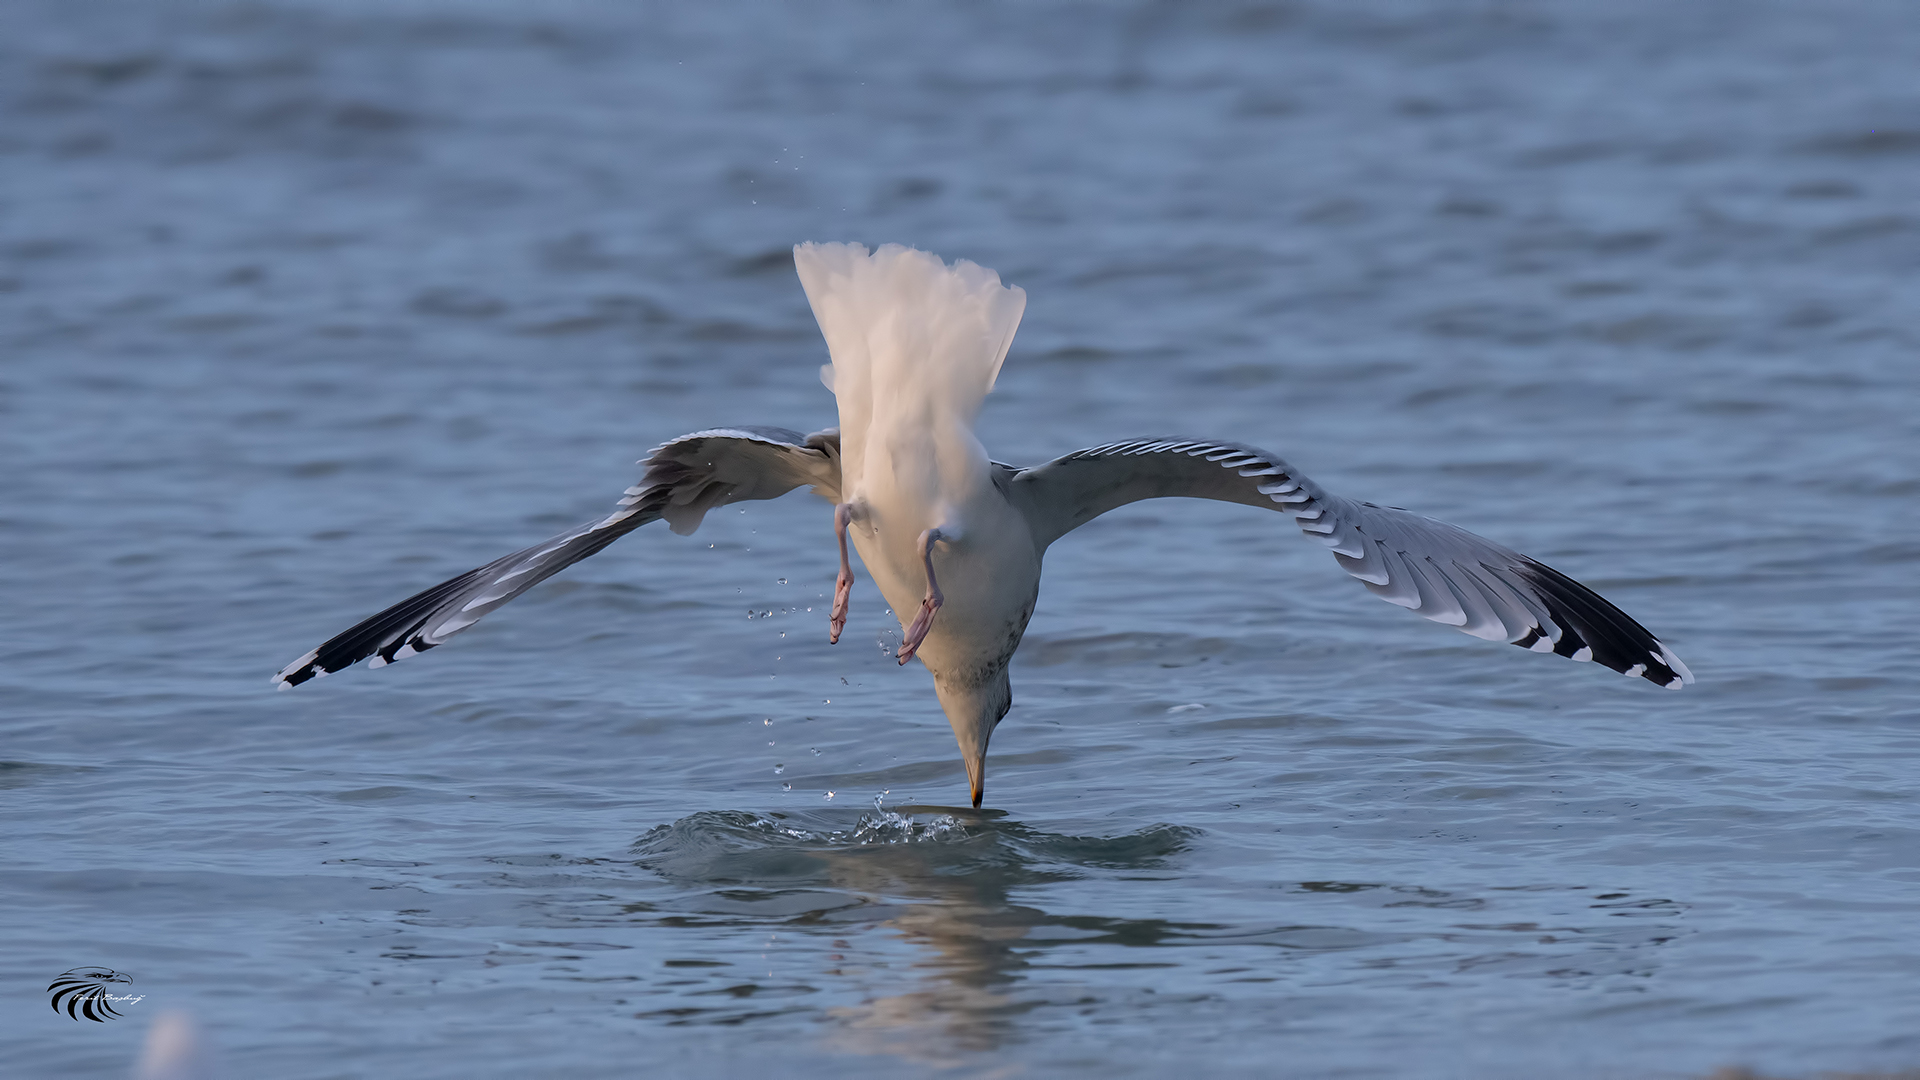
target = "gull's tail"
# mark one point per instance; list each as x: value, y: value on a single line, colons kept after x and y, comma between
x: 916, y: 344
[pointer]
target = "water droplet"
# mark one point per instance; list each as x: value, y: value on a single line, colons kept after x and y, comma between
x: 786, y: 787
x: 829, y: 794
x: 783, y: 581
x: 768, y: 722
x: 778, y: 769
x: 815, y: 750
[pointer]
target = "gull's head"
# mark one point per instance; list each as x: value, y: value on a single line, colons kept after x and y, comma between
x: 974, y: 708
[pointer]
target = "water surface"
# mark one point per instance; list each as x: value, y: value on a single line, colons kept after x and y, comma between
x: 305, y: 306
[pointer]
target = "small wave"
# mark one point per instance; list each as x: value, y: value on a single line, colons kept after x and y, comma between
x: 739, y: 830
x: 1126, y: 647
x: 904, y: 843
x: 1873, y: 142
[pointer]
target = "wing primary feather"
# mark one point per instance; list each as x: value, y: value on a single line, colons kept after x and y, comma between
x: 1441, y: 572
x: 685, y: 477
x: 1616, y: 641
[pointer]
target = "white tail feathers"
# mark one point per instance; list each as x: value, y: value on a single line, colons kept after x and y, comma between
x: 916, y: 344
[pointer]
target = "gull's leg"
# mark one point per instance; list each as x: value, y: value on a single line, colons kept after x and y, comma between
x: 923, y: 622
x: 837, y: 622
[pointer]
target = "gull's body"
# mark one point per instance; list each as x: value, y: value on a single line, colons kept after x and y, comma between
x: 955, y: 540
x: 916, y: 347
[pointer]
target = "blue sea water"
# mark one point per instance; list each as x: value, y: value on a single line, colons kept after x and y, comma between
x: 305, y: 306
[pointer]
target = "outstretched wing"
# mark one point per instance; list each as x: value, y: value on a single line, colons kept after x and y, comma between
x: 684, y: 479
x: 1444, y: 573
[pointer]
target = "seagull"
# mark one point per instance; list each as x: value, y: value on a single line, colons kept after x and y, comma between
x: 954, y: 539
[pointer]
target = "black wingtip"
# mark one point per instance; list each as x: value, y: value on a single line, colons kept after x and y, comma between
x: 1591, y: 628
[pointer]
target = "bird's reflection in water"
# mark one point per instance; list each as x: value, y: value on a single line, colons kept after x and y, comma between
x: 940, y: 878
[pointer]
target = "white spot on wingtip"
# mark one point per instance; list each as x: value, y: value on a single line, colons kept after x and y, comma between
x: 405, y: 651
x: 1545, y: 644
x: 376, y: 661
x: 1635, y: 671
x: 1672, y: 661
x: 1583, y: 654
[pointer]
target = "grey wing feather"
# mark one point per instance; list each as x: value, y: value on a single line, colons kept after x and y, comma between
x: 1433, y: 569
x: 684, y: 479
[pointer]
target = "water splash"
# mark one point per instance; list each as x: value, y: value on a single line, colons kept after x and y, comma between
x: 743, y: 847
x: 884, y: 826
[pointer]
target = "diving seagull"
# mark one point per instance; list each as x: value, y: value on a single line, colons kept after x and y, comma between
x: 955, y: 539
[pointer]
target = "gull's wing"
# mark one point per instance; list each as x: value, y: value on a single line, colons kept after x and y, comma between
x: 684, y: 479
x: 1444, y: 573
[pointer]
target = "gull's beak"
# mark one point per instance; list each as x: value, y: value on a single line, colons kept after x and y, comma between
x: 973, y: 709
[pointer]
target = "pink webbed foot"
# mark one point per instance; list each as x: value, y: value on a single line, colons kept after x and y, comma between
x: 837, y: 621
x: 843, y: 585
x: 923, y: 622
